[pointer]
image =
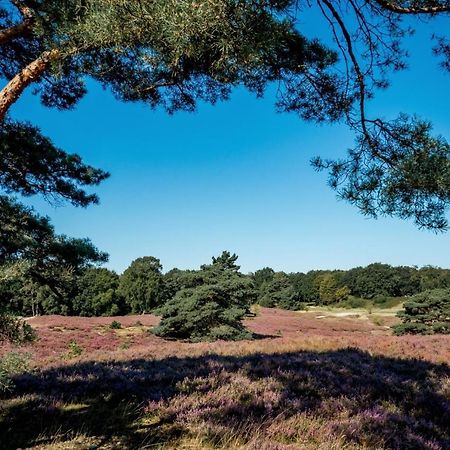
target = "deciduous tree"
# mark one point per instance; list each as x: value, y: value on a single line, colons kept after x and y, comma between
x: 141, y: 284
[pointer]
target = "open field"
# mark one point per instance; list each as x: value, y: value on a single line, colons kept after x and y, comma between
x: 313, y: 380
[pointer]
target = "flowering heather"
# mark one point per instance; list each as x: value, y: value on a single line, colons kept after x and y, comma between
x: 307, y: 383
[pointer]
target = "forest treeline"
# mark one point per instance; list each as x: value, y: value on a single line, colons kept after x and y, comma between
x: 144, y: 286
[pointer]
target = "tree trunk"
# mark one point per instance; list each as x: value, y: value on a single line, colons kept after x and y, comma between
x: 31, y: 73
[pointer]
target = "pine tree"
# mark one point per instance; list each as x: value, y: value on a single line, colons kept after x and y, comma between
x: 426, y: 313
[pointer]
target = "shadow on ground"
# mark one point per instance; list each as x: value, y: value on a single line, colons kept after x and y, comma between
x: 367, y: 401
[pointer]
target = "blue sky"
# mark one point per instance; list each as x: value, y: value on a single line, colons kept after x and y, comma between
x: 234, y: 176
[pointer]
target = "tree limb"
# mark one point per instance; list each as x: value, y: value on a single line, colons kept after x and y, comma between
x: 29, y: 74
x: 393, y: 7
x: 21, y: 28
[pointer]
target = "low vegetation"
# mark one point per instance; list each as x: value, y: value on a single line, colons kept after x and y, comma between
x: 314, y: 380
x: 11, y: 364
x: 13, y: 329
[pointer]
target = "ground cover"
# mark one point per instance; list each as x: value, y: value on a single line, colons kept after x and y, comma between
x: 322, y: 379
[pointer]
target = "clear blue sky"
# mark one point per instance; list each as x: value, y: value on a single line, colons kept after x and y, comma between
x: 234, y: 176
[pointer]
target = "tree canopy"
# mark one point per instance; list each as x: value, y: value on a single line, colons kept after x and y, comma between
x: 426, y: 313
x: 211, y: 306
x: 172, y: 53
x: 141, y: 285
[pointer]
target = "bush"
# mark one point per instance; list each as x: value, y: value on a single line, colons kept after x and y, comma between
x: 411, y: 328
x: 267, y: 302
x: 115, y: 325
x: 10, y: 364
x: 96, y: 294
x: 15, y: 330
x: 74, y: 351
x: 383, y: 301
x: 355, y: 302
x: 426, y: 313
x: 292, y: 304
x: 279, y: 292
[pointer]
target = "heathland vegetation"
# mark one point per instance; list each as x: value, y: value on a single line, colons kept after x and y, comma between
x: 210, y: 303
x: 313, y: 380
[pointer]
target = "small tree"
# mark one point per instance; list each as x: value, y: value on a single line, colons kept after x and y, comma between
x: 213, y: 308
x: 142, y: 284
x: 426, y: 313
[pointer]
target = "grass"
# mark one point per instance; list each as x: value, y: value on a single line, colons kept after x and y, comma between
x: 335, y: 382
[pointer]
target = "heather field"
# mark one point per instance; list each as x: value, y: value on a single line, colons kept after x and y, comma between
x: 314, y: 380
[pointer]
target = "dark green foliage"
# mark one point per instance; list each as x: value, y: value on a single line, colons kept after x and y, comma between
x: 20, y: 295
x: 96, y: 294
x: 136, y: 50
x: 382, y: 301
x: 115, y: 325
x: 141, y: 285
x: 204, y: 313
x: 15, y: 330
x: 381, y: 279
x: 426, y: 313
x: 37, y: 266
x: 226, y: 261
x: 355, y: 302
x: 279, y: 292
x: 30, y: 164
x: 306, y: 285
x: 262, y: 276
x: 177, y: 279
x: 402, y: 170
x: 382, y: 284
x: 214, y: 308
x: 24, y: 235
x: 433, y: 278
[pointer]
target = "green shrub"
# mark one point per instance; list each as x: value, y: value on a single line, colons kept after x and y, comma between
x: 266, y: 302
x: 292, y: 304
x: 10, y: 364
x: 426, y: 313
x: 279, y: 292
x: 356, y: 302
x: 15, y: 330
x: 383, y: 301
x: 74, y: 351
x: 115, y: 325
x: 411, y: 328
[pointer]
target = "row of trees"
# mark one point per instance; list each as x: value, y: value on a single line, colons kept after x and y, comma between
x: 210, y: 303
x: 94, y: 291
x: 375, y: 282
